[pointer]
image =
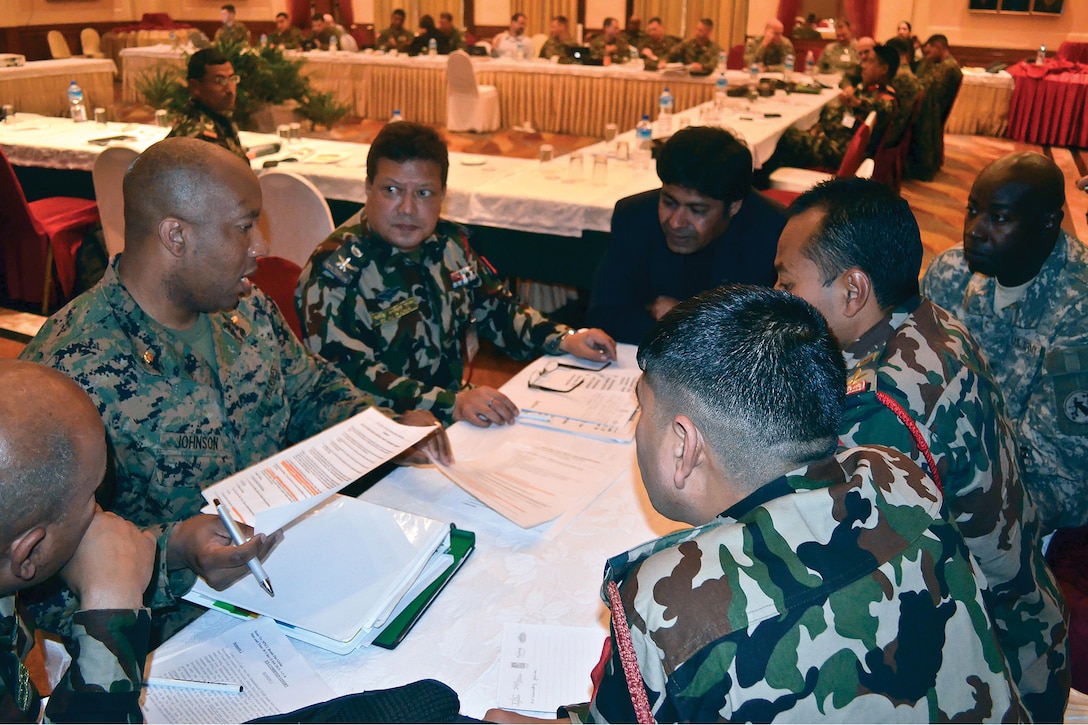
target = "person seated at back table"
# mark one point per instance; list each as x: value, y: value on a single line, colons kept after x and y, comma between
x: 285, y: 35
x: 655, y: 45
x: 195, y: 373
x: 455, y: 39
x: 213, y: 89
x: 700, y: 53
x: 609, y: 46
x: 769, y: 51
x: 907, y: 90
x: 632, y: 32
x: 941, y: 76
x: 53, y: 456
x: 814, y: 586
x: 322, y: 32
x: 805, y: 28
x: 853, y: 250
x: 397, y: 297
x: 513, y: 43
x: 396, y: 36
x: 558, y: 41
x: 703, y: 227
x: 840, y: 55
x: 231, y: 31
x: 421, y: 44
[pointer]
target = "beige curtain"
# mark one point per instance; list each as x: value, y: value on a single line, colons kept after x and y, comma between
x: 671, y: 13
x: 681, y: 17
x: 415, y: 9
x: 540, y: 13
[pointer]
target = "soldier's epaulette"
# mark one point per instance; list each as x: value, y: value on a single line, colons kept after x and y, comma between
x: 345, y: 264
x: 446, y: 228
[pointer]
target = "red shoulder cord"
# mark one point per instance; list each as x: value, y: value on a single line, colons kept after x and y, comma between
x: 631, y: 672
x: 919, y: 440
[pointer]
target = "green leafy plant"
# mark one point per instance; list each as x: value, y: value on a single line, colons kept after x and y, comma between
x: 163, y: 87
x: 322, y: 109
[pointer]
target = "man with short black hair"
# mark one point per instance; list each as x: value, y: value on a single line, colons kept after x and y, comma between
x: 231, y: 31
x: 941, y: 76
x: 397, y: 298
x: 852, y: 248
x: 655, y: 45
x: 813, y: 586
x: 213, y: 89
x: 699, y: 53
x: 513, y: 43
x: 907, y: 90
x: 396, y: 36
x: 840, y: 55
x: 455, y: 39
x: 704, y: 227
x: 285, y: 35
x: 323, y: 30
x: 558, y: 41
x: 632, y: 32
x: 609, y: 46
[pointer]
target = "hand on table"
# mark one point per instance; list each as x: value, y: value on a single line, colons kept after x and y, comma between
x: 497, y: 714
x: 661, y: 306
x: 695, y: 67
x: 589, y: 344
x: 203, y: 544
x: 112, y: 565
x: 484, y: 406
x: 437, y: 444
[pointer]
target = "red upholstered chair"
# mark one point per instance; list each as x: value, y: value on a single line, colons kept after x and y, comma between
x: 735, y: 59
x: 277, y: 277
x: 1073, y: 52
x: 890, y: 159
x: 797, y: 181
x: 36, y: 236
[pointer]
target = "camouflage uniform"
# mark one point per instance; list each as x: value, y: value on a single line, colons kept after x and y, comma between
x: 941, y: 81
x: 928, y: 363
x: 396, y: 323
x: 102, y: 684
x: 231, y: 34
x: 839, y: 58
x: 177, y: 422
x: 621, y: 54
x: 554, y: 47
x: 202, y: 122
x: 390, y: 39
x: 840, y: 592
x: 1038, y: 349
x: 825, y: 143
x: 907, y: 89
x: 290, y: 38
x: 690, y: 51
x: 660, y: 48
x: 457, y: 40
x: 773, y: 56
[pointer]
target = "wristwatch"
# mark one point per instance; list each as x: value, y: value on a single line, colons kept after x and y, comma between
x: 552, y: 346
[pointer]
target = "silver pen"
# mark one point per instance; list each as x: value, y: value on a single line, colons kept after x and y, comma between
x: 236, y: 536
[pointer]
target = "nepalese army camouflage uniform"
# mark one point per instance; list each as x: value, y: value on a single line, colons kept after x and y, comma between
x: 691, y: 51
x: 397, y: 323
x: 838, y: 593
x: 826, y: 142
x: 390, y: 39
x: 177, y: 422
x: 621, y: 54
x: 1038, y: 349
x: 661, y: 49
x: 839, y: 58
x: 773, y: 56
x: 201, y: 122
x: 236, y: 33
x: 103, y: 681
x: 290, y: 38
x: 927, y: 362
x: 557, y: 48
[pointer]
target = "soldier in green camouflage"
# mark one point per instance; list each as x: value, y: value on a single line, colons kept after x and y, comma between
x: 840, y: 56
x: 558, y: 41
x: 285, y: 35
x: 655, y: 45
x: 231, y: 31
x: 397, y: 297
x: 213, y: 88
x: 907, y: 90
x: 700, y: 53
x: 455, y: 38
x: 609, y: 45
x: 769, y: 51
x: 852, y: 248
x: 396, y: 36
x: 196, y: 374
x: 1020, y: 285
x: 54, y: 457
x: 941, y: 76
x: 813, y: 587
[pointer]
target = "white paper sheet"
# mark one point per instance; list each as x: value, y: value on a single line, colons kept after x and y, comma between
x: 544, y: 666
x: 276, y: 491
x: 254, y: 654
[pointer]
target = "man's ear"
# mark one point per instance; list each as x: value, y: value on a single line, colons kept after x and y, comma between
x: 1053, y: 220
x: 22, y: 551
x: 172, y: 234
x: 734, y: 208
x: 688, y: 449
x: 858, y: 290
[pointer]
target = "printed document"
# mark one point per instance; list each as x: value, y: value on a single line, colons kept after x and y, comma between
x: 544, y: 667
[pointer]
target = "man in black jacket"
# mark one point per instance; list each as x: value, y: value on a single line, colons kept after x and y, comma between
x: 703, y: 228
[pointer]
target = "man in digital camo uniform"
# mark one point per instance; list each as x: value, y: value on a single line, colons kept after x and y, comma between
x: 813, y: 587
x: 213, y: 89
x: 396, y: 36
x: 231, y: 31
x: 397, y: 296
x: 941, y: 76
x: 852, y: 248
x: 610, y: 44
x: 285, y: 35
x: 699, y: 53
x: 655, y: 45
x: 558, y: 41
x: 1020, y: 285
x: 769, y: 51
x: 840, y: 55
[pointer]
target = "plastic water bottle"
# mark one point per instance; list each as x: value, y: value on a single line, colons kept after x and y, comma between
x: 753, y: 81
x: 721, y: 87
x: 634, y: 53
x: 521, y: 52
x: 721, y: 61
x: 396, y: 116
x: 76, y: 108
x: 1040, y: 57
x: 788, y: 75
x: 810, y: 65
x: 644, y: 142
x: 264, y: 40
x: 432, y: 47
x: 665, y: 107
x: 333, y: 44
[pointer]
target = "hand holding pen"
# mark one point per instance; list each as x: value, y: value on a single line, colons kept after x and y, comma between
x: 254, y: 564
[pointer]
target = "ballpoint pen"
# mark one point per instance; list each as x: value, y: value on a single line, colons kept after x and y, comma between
x: 236, y: 536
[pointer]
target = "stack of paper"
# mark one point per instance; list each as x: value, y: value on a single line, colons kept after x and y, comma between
x: 600, y: 404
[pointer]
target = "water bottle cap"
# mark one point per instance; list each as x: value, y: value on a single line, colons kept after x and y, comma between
x: 645, y: 117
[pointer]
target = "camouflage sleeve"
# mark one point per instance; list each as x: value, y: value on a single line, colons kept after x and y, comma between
x: 596, y: 47
x: 102, y: 684
x: 753, y: 51
x: 945, y: 280
x: 885, y: 106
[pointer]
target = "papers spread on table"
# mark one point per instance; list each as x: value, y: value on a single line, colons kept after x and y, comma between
x: 255, y: 654
x: 599, y: 404
x: 276, y: 491
x: 340, y: 573
x: 532, y: 484
x: 544, y: 667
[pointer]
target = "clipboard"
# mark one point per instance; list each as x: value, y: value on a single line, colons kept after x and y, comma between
x: 462, y: 544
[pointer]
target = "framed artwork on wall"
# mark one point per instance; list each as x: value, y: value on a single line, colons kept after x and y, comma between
x: 982, y: 6
x: 1015, y: 6
x: 1047, y: 7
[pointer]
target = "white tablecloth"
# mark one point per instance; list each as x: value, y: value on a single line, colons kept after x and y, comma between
x: 982, y: 106
x: 514, y: 576
x: 42, y: 86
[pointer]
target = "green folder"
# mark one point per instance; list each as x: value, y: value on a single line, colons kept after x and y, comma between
x: 462, y: 543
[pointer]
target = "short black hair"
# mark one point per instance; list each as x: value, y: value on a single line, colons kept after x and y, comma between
x: 561, y: 19
x: 868, y: 226
x: 939, y: 39
x: 200, y: 60
x: 516, y: 16
x: 655, y: 19
x: 229, y: 8
x: 399, y: 12
x: 446, y: 16
x: 758, y: 372
x: 608, y: 21
x: 887, y: 56
x: 318, y: 16
x: 907, y: 23
x: 426, y: 22
x: 707, y: 22
x: 902, y: 46
x: 283, y: 15
x: 407, y: 141
x: 709, y: 160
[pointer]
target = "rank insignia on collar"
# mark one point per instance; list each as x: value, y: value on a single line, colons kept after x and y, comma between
x: 464, y: 277
x: 340, y: 267
x: 857, y: 386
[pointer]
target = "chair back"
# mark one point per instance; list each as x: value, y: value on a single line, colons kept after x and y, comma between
x: 890, y: 161
x: 460, y: 75
x: 24, y: 241
x: 538, y: 43
x: 295, y: 217
x: 855, y: 150
x: 1073, y: 52
x: 91, y: 42
x: 735, y: 59
x: 485, y: 44
x: 58, y: 46
x: 277, y: 278
x: 108, y: 176
x: 348, y: 43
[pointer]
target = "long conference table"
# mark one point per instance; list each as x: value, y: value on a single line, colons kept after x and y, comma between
x: 41, y: 86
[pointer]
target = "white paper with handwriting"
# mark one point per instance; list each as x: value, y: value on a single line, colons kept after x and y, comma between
x: 546, y: 666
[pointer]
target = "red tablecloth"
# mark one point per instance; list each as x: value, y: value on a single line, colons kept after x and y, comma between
x: 1048, y: 103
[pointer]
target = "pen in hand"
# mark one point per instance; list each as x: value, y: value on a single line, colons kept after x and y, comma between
x: 236, y: 536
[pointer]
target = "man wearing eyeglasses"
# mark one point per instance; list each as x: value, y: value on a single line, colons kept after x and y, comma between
x: 213, y: 88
